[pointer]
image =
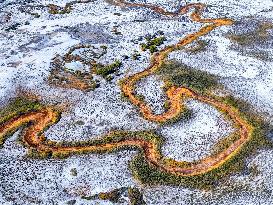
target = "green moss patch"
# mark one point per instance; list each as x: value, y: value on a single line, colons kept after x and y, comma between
x: 115, y: 137
x: 153, y: 41
x: 18, y: 106
x: 54, y: 9
x: 83, y: 80
x: 105, y: 71
x: 115, y: 195
x: 182, y: 75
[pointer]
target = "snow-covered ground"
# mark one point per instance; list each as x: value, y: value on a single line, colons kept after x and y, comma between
x: 25, y: 56
x: 194, y: 139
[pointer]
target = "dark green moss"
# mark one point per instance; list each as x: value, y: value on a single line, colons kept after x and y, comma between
x: 182, y: 75
x: 10, y: 133
x: 61, y: 155
x: 79, y: 122
x: 224, y: 143
x: 184, y: 116
x: 74, y: 172
x: 105, y: 71
x: 13, y: 27
x: 112, y: 196
x: 71, y: 202
x: 152, y: 43
x: 16, y: 107
x: 33, y: 153
x: 54, y: 9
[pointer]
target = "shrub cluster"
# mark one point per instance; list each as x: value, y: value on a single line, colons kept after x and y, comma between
x: 105, y: 71
x: 54, y: 9
x: 152, y: 42
x: 112, y: 196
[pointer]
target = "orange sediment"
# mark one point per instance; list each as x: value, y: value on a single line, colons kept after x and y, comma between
x: 45, y: 117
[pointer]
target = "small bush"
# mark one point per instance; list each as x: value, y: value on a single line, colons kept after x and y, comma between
x: 74, y: 172
x: 104, y: 71
x: 136, y: 197
x: 152, y: 42
x: 112, y: 196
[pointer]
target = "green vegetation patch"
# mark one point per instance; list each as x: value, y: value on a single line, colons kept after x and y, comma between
x: 224, y: 143
x: 136, y: 55
x: 13, y: 27
x: 34, y: 154
x: 54, y: 9
x: 16, y: 107
x: 83, y: 80
x: 74, y: 172
x: 105, y: 71
x: 115, y: 137
x: 182, y: 75
x: 185, y: 116
x: 152, y: 42
x: 112, y: 196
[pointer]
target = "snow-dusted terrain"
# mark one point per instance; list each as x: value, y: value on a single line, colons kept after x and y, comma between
x: 27, y: 47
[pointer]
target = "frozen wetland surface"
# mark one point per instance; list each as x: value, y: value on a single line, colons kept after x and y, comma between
x: 25, y: 56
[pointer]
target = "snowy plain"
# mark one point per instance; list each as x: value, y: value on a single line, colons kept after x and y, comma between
x: 25, y: 58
